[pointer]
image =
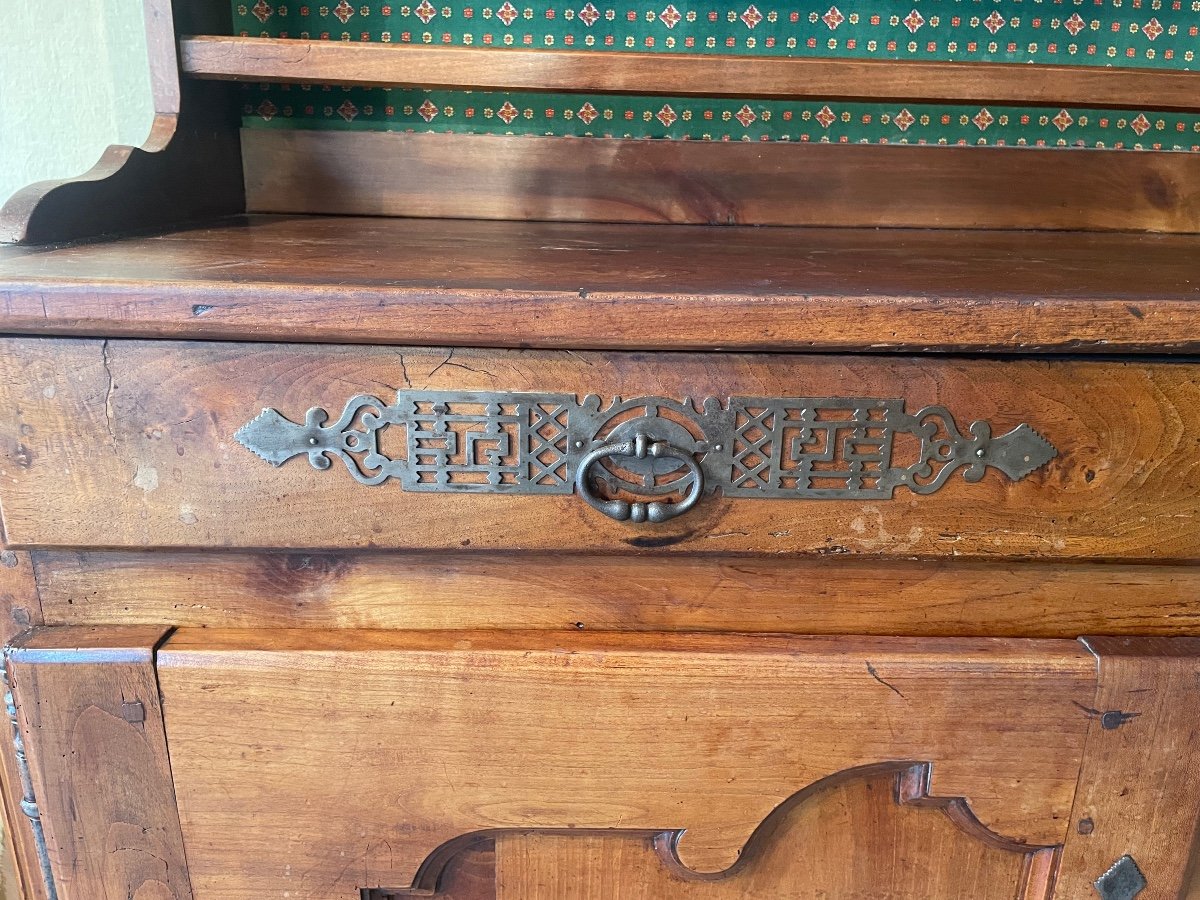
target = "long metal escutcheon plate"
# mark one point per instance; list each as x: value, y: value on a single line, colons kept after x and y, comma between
x: 651, y: 458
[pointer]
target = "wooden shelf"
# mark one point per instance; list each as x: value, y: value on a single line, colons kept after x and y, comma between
x: 591, y: 286
x: 406, y: 65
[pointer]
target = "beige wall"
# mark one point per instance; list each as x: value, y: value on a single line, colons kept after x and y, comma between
x: 73, y: 79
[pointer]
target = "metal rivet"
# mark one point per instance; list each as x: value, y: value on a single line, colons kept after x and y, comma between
x: 981, y: 453
x: 718, y: 447
x: 313, y: 441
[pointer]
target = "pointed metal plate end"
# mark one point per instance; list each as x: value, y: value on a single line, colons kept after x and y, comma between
x: 1020, y: 452
x: 1123, y: 881
x: 272, y: 437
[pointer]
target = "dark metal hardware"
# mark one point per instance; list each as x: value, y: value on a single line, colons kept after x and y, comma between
x: 656, y: 447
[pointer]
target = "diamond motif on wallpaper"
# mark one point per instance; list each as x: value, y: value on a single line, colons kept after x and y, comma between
x: 508, y: 112
x: 983, y: 119
x: 1111, y: 34
x: 1114, y: 33
x: 507, y: 13
x: 833, y: 18
x: 746, y: 116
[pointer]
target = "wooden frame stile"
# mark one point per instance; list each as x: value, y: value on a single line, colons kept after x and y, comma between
x: 1139, y: 785
x: 20, y: 609
x: 90, y: 713
x: 187, y: 170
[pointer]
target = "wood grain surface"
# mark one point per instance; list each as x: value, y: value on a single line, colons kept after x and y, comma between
x: 89, y: 706
x: 844, y: 840
x: 237, y: 589
x: 470, y: 875
x: 717, y: 183
x: 584, y: 286
x: 1139, y: 789
x: 130, y: 444
x: 351, y: 757
x: 679, y: 74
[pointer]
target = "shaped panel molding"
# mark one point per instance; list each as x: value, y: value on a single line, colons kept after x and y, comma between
x: 859, y: 833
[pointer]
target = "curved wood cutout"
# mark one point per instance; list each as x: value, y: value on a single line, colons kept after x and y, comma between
x: 189, y: 168
x: 856, y: 834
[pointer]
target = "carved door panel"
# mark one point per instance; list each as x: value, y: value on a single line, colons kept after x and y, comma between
x: 231, y: 765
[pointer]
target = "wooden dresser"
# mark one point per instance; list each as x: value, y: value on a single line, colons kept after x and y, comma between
x: 611, y: 452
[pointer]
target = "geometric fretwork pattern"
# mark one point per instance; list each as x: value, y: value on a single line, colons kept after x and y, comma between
x: 533, y: 443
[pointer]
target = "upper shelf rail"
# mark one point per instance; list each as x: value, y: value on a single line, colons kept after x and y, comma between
x: 441, y: 67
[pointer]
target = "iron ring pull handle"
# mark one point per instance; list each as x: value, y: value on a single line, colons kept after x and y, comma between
x: 640, y: 446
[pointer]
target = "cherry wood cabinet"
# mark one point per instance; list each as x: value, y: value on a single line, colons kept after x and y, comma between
x: 459, y: 457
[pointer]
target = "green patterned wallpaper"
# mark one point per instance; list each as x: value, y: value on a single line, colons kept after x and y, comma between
x: 1136, y: 33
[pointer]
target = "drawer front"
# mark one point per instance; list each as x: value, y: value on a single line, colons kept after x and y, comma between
x: 131, y: 443
x: 527, y: 766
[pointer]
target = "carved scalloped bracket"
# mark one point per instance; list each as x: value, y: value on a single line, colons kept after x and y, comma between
x: 911, y: 789
x: 188, y: 170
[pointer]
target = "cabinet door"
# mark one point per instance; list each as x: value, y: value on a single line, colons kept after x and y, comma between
x: 538, y: 766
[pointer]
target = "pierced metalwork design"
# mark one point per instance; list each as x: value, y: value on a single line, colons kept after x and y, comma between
x: 669, y: 451
x: 1123, y: 881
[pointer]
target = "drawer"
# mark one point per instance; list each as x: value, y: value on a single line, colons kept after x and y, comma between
x: 166, y: 444
x: 530, y: 766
